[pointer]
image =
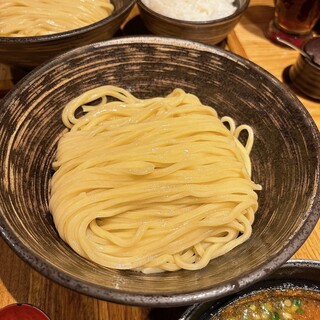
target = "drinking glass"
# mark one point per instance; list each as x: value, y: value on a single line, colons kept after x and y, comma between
x: 294, y: 20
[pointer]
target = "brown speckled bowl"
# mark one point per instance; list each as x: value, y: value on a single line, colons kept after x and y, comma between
x: 285, y: 162
x: 29, y: 52
x: 304, y: 74
x: 209, y: 32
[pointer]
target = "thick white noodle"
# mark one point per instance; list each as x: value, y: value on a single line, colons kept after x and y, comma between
x: 158, y: 184
x: 24, y: 18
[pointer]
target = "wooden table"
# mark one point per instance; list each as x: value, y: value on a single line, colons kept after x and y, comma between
x: 20, y: 283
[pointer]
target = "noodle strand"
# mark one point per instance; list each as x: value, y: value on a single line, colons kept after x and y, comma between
x: 157, y: 184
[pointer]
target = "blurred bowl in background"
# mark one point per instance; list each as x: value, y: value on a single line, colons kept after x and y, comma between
x: 285, y: 161
x: 209, y: 32
x: 29, y: 52
x: 304, y: 74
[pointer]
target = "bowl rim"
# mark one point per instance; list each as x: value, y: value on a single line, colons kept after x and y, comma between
x: 66, y: 34
x: 152, y: 299
x: 291, y: 264
x: 193, y: 23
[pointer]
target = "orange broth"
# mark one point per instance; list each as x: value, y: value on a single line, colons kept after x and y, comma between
x: 290, y: 304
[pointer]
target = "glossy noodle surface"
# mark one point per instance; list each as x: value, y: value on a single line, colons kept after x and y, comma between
x: 157, y: 184
x: 24, y: 18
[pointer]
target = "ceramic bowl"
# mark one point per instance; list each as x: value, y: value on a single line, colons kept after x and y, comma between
x: 209, y: 32
x: 285, y: 160
x: 29, y: 52
x: 295, y: 274
x: 304, y: 74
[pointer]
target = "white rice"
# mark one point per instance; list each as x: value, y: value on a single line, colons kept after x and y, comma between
x: 192, y: 10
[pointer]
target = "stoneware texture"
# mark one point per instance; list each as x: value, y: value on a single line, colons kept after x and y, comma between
x: 285, y: 160
x: 304, y: 75
x: 29, y: 52
x: 209, y: 32
x: 300, y: 274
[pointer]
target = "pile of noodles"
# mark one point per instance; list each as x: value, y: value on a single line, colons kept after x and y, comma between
x: 158, y: 184
x: 23, y: 18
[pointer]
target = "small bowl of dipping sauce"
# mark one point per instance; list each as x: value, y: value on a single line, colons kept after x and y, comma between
x: 292, y: 292
x: 205, y: 21
x: 304, y: 75
x: 273, y: 303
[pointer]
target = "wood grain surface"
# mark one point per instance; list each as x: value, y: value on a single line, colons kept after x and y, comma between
x: 20, y: 283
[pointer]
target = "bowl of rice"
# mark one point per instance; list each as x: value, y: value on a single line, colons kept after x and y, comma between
x: 156, y: 171
x: 205, y: 21
x: 32, y: 32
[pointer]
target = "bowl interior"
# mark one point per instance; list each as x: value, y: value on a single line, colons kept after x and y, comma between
x: 285, y: 161
x: 28, y: 52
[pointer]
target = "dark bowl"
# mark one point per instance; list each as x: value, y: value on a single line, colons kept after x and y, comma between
x: 209, y: 32
x: 295, y: 274
x: 29, y: 52
x: 304, y: 74
x: 285, y: 160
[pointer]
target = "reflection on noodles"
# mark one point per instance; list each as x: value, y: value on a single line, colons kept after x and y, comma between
x: 151, y: 185
x: 22, y: 18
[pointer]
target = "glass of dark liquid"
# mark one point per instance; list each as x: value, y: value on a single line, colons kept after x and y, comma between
x: 294, y: 20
